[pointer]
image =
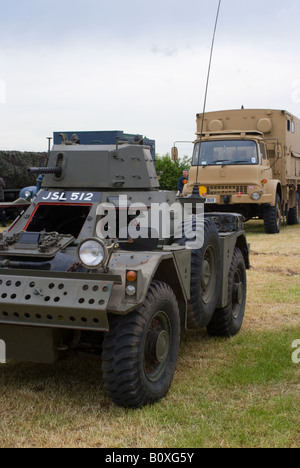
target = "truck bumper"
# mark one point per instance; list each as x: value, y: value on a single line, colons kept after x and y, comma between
x: 54, y: 300
x: 265, y: 199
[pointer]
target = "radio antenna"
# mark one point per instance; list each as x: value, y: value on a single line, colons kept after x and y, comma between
x: 196, y: 186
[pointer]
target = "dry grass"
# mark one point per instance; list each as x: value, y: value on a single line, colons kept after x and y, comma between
x: 242, y: 392
x: 274, y: 278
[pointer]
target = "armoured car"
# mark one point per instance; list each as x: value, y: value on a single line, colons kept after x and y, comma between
x: 91, y: 265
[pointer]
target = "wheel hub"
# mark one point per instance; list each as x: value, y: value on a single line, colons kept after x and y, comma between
x: 206, y: 273
x: 162, y: 346
x: 238, y: 293
x: 157, y: 346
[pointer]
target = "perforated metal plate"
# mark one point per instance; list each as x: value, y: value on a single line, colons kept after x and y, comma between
x: 64, y: 300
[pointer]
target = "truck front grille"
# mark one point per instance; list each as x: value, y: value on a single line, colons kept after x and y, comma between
x: 227, y: 189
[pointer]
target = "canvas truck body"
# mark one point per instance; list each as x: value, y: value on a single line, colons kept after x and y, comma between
x: 249, y: 163
x: 82, y: 268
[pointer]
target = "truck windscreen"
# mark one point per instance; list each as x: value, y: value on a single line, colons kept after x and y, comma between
x: 225, y: 153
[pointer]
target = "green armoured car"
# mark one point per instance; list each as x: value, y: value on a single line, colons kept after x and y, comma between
x: 104, y: 262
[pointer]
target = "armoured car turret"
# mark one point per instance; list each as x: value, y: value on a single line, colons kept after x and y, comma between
x: 103, y: 257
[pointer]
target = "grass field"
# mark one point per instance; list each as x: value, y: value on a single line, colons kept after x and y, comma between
x: 240, y: 392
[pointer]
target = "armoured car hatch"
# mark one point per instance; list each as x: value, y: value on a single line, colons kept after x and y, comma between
x: 37, y: 244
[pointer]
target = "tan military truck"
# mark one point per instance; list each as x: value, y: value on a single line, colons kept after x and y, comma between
x: 248, y: 161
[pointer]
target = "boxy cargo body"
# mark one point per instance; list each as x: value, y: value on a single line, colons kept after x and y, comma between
x: 249, y: 163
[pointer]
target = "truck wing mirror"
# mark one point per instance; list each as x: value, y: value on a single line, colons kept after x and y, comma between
x: 174, y: 153
x: 278, y: 151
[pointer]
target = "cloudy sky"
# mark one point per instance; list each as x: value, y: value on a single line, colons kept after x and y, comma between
x: 69, y: 65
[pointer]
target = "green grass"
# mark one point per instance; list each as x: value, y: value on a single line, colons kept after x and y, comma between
x: 239, y: 392
x: 260, y: 359
x: 249, y: 394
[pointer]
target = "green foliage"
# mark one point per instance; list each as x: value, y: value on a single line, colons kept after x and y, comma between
x: 171, y: 171
x: 13, y: 168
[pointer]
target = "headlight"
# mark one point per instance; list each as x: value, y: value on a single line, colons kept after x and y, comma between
x: 256, y: 196
x: 92, y: 253
x: 27, y: 194
x: 130, y: 290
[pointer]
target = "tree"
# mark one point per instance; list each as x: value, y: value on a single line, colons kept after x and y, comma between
x: 170, y: 171
x: 14, y: 165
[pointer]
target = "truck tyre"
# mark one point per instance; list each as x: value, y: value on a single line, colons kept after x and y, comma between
x: 294, y: 213
x: 206, y: 275
x: 228, y: 321
x: 272, y: 217
x: 140, y: 351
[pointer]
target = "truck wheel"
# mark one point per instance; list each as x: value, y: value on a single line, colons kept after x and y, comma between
x: 205, y: 275
x: 272, y: 217
x: 294, y: 213
x: 140, y: 351
x: 228, y: 321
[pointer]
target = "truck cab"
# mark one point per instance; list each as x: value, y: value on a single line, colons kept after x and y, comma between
x: 219, y: 157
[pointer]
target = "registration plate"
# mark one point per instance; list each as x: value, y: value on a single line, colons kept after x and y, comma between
x: 211, y: 200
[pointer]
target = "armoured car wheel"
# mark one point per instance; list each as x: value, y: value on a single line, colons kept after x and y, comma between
x: 228, y: 321
x: 140, y: 351
x: 205, y: 274
x: 272, y: 217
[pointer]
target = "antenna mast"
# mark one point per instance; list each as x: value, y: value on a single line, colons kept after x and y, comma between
x: 196, y: 186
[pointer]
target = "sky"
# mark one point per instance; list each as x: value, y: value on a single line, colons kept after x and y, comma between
x: 141, y: 67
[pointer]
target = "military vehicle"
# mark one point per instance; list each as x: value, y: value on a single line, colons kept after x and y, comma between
x: 249, y: 163
x: 82, y: 271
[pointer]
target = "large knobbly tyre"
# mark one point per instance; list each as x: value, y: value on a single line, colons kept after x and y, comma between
x: 228, y: 321
x: 272, y: 217
x: 206, y: 274
x: 205, y: 278
x: 140, y: 351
